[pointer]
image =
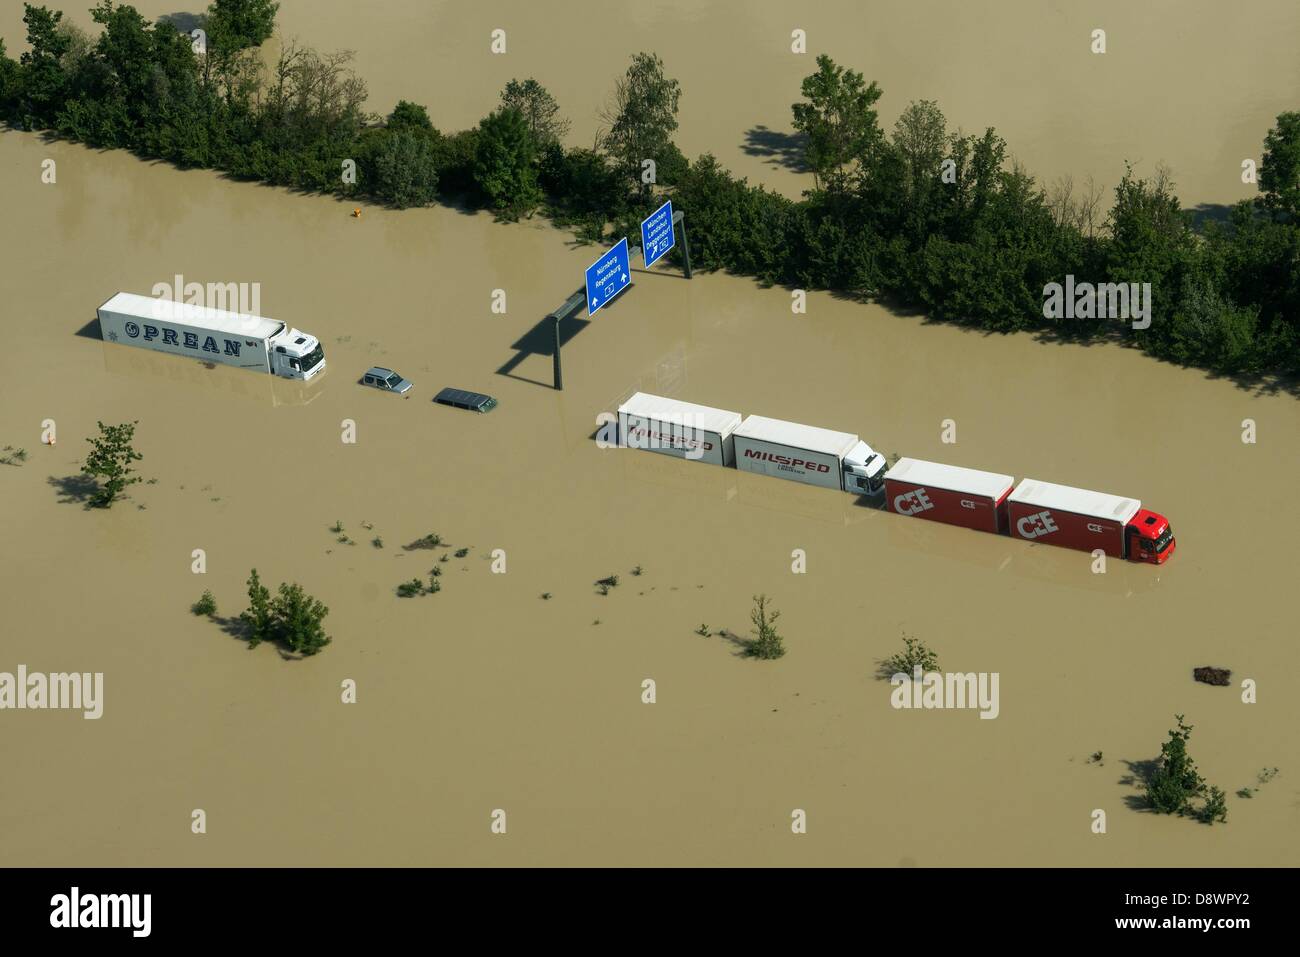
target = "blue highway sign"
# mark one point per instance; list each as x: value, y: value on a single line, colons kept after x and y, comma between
x: 607, y: 277
x: 657, y: 234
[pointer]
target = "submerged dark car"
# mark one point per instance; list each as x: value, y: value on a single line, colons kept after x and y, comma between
x: 460, y: 399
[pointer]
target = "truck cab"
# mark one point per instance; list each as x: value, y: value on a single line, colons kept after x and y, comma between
x: 864, y: 470
x: 296, y: 355
x: 1149, y: 538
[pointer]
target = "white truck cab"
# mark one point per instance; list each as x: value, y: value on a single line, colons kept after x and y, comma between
x: 864, y: 470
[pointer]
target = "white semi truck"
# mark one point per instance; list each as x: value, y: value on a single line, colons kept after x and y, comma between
x: 211, y: 335
x: 787, y: 450
x: 805, y: 453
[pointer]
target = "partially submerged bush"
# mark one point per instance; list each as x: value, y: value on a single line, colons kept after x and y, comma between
x: 206, y: 605
x: 915, y: 652
x: 766, y: 643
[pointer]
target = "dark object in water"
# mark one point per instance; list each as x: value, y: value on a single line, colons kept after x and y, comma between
x: 1212, y: 676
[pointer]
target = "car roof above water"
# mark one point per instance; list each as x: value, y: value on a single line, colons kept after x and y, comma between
x: 464, y: 399
x: 380, y: 371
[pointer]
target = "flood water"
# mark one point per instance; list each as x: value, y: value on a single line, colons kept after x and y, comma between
x: 486, y: 696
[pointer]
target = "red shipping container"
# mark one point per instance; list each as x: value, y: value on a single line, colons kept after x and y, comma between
x: 948, y: 493
x: 1071, y: 517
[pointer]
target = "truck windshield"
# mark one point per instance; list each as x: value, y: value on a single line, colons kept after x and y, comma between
x: 1165, y: 538
x: 311, y: 359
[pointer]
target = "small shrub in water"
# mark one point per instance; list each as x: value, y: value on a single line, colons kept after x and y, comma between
x: 206, y: 605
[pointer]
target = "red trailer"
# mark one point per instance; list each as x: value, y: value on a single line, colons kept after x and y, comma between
x: 1078, y: 518
x: 949, y: 493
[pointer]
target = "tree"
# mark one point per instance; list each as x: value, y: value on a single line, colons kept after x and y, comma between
x: 642, y: 118
x: 766, y: 643
x: 504, y: 164
x: 43, y: 77
x: 297, y: 620
x: 258, y: 617
x: 406, y: 168
x: 538, y: 108
x: 237, y: 24
x: 410, y: 116
x: 838, y: 121
x: 1279, y: 172
x: 1174, y: 781
x: 111, y: 455
x: 921, y: 138
x: 10, y: 83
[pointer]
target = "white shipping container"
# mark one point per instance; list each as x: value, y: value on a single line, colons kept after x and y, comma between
x: 677, y: 428
x: 803, y: 453
x: 210, y: 335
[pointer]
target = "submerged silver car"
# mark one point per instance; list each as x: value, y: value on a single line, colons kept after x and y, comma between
x: 386, y: 379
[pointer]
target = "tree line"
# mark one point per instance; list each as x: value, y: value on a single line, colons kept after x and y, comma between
x: 915, y: 217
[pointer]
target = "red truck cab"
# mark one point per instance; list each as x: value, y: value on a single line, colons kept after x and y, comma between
x: 1149, y: 538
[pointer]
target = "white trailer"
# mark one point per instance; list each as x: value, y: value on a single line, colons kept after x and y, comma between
x: 211, y: 335
x: 804, y: 453
x: 678, y: 428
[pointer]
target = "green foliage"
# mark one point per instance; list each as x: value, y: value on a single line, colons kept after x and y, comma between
x: 1279, y: 171
x: 297, y: 620
x: 505, y: 164
x: 110, y: 458
x: 915, y: 653
x: 237, y: 24
x: 1174, y: 782
x: 642, y: 119
x: 702, y: 631
x: 583, y: 189
x: 411, y: 117
x: 457, y: 155
x: 405, y: 167
x: 766, y: 643
x: 538, y: 108
x: 839, y: 122
x: 43, y: 81
x: 10, y: 84
x: 921, y: 218
x: 257, y: 617
x: 377, y: 542
x: 462, y: 552
x: 1215, y: 807
x: 605, y: 584
x: 410, y: 589
x: 206, y: 605
x: 432, y: 540
x: 435, y: 571
x: 12, y: 456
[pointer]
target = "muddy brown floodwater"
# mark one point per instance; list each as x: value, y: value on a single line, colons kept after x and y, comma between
x: 485, y: 696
